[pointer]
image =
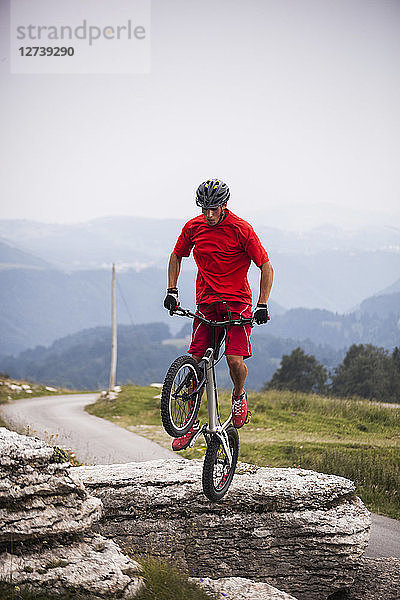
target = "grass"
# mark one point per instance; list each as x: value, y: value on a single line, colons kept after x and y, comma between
x: 7, y: 392
x: 357, y: 439
x: 10, y: 591
x: 162, y: 580
x: 166, y: 582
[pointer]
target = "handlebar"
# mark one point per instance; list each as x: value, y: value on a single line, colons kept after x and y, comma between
x: 187, y: 313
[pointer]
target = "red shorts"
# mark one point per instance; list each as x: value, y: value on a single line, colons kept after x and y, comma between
x: 237, y: 342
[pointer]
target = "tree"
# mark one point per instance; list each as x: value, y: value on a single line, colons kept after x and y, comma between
x: 299, y: 372
x: 395, y: 375
x: 368, y: 372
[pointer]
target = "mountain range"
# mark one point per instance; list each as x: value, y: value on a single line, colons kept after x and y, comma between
x: 82, y: 360
x: 55, y: 281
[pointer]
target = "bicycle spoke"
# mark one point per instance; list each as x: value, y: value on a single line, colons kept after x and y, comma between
x: 179, y: 406
x: 219, y: 468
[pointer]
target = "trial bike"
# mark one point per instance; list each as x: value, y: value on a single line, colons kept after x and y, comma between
x: 181, y: 396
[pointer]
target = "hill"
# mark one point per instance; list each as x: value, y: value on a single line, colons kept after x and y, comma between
x: 377, y: 324
x: 39, y: 306
x: 395, y: 287
x: 325, y: 267
x: 82, y: 360
x: 382, y: 305
x: 141, y: 242
x: 13, y: 258
x: 55, y: 279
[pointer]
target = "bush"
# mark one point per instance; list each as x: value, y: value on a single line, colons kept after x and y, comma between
x: 299, y: 372
x: 368, y: 372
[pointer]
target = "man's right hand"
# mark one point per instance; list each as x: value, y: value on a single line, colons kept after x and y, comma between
x: 171, y: 300
x: 261, y: 314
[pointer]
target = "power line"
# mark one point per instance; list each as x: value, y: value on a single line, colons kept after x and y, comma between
x: 125, y: 302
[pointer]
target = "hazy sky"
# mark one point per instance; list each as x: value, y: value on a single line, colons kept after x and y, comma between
x: 289, y: 101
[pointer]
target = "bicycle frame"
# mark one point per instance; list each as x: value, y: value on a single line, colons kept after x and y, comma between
x: 214, y: 426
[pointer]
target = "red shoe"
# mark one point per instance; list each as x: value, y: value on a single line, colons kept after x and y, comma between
x: 183, y: 442
x: 239, y: 410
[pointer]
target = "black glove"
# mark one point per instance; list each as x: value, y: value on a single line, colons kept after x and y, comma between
x: 261, y: 314
x: 171, y: 301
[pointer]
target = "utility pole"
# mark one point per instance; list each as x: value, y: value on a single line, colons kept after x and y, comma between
x: 114, y: 334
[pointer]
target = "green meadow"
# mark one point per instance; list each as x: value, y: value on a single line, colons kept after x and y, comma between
x: 357, y: 439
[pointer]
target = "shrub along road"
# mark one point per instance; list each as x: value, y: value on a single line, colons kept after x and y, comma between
x: 62, y: 420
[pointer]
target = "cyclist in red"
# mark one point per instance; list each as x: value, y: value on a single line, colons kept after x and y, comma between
x: 223, y: 247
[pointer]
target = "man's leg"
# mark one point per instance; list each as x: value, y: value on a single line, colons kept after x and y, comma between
x: 238, y: 373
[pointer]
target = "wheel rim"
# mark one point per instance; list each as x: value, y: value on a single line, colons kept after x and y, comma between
x: 180, y: 405
x: 222, y: 468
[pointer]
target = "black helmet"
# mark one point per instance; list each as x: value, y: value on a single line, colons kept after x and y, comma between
x: 212, y: 193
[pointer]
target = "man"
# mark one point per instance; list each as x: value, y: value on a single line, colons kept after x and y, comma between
x: 223, y: 247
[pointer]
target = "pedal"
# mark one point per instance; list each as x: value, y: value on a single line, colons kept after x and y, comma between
x: 248, y: 417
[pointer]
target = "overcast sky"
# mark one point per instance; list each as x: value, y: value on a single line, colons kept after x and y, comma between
x: 291, y: 102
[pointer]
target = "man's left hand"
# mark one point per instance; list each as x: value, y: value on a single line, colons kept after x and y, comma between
x: 261, y: 314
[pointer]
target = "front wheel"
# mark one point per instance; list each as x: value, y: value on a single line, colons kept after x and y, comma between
x: 218, y: 472
x: 179, y: 406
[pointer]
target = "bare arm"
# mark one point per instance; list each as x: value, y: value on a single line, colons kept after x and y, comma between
x: 174, y: 268
x: 267, y: 276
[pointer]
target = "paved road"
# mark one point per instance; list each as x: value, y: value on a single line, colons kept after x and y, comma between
x: 97, y: 441
x: 385, y: 537
x: 94, y: 440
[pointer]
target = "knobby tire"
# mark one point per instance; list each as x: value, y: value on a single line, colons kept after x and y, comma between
x: 217, y: 474
x: 178, y: 413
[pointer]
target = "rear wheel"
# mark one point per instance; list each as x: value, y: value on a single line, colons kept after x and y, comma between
x: 179, y: 407
x: 217, y: 471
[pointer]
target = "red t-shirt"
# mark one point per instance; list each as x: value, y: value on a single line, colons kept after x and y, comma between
x: 223, y: 254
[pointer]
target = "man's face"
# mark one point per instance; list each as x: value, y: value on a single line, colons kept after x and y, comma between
x: 213, y: 215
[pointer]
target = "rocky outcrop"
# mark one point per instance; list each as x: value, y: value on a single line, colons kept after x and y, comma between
x: 37, y: 495
x: 376, y: 579
x: 45, y: 521
x: 92, y: 564
x: 240, y: 588
x: 300, y: 531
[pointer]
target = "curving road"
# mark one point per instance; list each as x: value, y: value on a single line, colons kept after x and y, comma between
x: 62, y: 420
x: 97, y: 441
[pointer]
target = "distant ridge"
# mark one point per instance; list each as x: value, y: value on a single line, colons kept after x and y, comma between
x: 55, y: 279
x: 82, y: 360
x: 391, y: 289
x: 14, y: 258
x: 382, y: 305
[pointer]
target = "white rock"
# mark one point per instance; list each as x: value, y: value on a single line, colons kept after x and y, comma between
x: 94, y: 565
x: 46, y: 501
x: 41, y: 505
x: 239, y: 588
x: 300, y: 531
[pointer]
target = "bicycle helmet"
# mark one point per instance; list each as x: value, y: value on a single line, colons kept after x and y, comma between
x: 212, y: 193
